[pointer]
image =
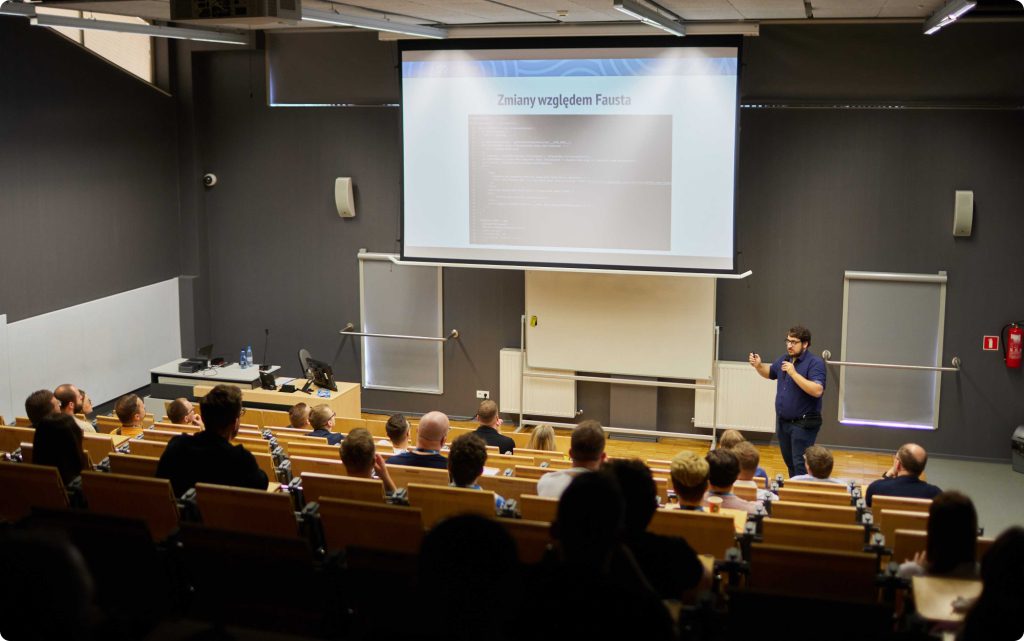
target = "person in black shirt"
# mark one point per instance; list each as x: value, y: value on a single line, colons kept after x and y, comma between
x: 487, y: 415
x: 58, y: 442
x: 209, y: 457
x: 904, y: 477
x: 669, y: 563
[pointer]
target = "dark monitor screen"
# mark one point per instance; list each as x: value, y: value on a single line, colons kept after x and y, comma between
x: 321, y: 374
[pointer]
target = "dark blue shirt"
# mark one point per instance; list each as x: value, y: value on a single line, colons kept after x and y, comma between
x: 434, y: 460
x: 906, y: 486
x: 791, y: 402
x: 333, y: 438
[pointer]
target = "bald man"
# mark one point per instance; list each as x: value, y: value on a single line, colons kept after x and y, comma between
x: 72, y: 402
x: 432, y: 432
x: 904, y: 477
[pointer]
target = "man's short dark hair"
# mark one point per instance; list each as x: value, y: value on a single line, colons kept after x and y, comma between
x: 67, y: 393
x: 911, y: 463
x: 126, y: 407
x: 638, y: 489
x: 587, y: 441
x: 357, y: 450
x: 819, y: 461
x: 221, y: 407
x: 487, y: 411
x: 800, y: 332
x: 466, y: 459
x: 39, y: 405
x: 177, y: 410
x: 723, y: 467
x: 397, y: 427
x: 58, y: 443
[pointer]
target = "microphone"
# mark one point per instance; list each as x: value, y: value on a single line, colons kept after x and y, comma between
x: 266, y: 341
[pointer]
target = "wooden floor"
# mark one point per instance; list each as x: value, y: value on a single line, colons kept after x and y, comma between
x: 859, y: 466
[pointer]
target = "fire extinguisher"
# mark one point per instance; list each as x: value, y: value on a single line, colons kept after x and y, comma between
x: 1013, y: 343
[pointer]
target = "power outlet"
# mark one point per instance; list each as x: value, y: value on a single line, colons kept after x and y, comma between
x: 482, y: 393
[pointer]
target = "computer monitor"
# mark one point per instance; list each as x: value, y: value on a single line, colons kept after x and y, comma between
x: 321, y: 374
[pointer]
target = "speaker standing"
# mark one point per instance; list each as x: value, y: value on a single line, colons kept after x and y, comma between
x: 801, y: 383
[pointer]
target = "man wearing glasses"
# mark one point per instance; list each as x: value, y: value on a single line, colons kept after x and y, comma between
x: 801, y: 383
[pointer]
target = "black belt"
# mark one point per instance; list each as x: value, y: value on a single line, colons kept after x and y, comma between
x: 800, y: 418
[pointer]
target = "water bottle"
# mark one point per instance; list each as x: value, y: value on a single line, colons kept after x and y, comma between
x: 243, y: 362
x: 248, y: 356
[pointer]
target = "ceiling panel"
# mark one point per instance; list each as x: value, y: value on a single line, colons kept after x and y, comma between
x: 450, y: 11
x: 770, y: 9
x: 703, y: 9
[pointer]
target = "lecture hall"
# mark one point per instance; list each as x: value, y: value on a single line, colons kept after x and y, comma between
x: 634, y: 319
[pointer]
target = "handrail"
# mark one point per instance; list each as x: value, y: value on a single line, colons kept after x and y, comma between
x: 347, y: 331
x: 826, y: 355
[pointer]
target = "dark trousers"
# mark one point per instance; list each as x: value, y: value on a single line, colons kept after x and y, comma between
x: 793, y: 440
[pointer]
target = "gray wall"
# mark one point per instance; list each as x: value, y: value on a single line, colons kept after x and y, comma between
x: 88, y: 176
x: 820, y: 191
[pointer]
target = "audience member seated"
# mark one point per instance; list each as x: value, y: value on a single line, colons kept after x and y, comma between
x: 723, y: 470
x: 39, y: 405
x: 995, y: 616
x: 58, y: 443
x: 182, y: 412
x: 730, y: 439
x: 542, y: 438
x: 952, y: 540
x: 487, y: 416
x: 749, y: 457
x: 130, y: 410
x: 86, y: 405
x: 689, y: 480
x: 209, y: 457
x: 669, y: 563
x: 322, y: 420
x: 298, y: 416
x: 397, y: 429
x: 596, y: 591
x: 586, y: 449
x: 430, y: 439
x: 466, y: 460
x: 72, y: 403
x: 454, y: 557
x: 904, y: 477
x: 818, y: 461
x: 362, y: 461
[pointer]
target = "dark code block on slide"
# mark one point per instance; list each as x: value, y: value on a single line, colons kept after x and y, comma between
x: 602, y: 182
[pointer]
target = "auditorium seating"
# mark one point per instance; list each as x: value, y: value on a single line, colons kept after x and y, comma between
x: 148, y: 499
x: 383, y: 527
x: 437, y: 503
x: 530, y: 471
x: 251, y: 511
x: 817, y: 486
x: 532, y: 538
x: 796, y: 511
x: 888, y: 521
x: 24, y: 486
x: 906, y: 543
x: 133, y: 465
x: 405, y: 475
x: 805, y: 572
x: 302, y: 464
x: 900, y: 503
x: 823, y: 536
x: 317, y: 486
x: 177, y: 429
x: 509, y: 487
x: 820, y: 497
x: 142, y: 447
x: 706, y: 533
x: 538, y: 508
x: 12, y: 437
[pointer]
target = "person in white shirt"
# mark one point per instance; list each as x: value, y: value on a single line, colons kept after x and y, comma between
x: 586, y: 449
x: 819, y: 464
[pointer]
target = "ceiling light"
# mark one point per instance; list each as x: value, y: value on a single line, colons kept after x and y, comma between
x: 345, y: 20
x: 948, y: 14
x: 157, y: 31
x: 650, y: 17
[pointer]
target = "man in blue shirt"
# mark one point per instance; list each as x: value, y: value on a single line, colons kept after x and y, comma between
x: 801, y: 383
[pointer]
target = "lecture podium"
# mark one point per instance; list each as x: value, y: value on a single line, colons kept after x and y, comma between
x: 346, y: 402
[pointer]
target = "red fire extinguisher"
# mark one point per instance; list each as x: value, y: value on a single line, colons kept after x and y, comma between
x: 1013, y: 344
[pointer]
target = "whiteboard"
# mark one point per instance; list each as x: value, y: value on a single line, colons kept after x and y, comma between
x: 662, y: 326
x: 106, y: 346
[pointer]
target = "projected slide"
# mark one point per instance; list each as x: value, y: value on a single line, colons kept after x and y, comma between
x: 583, y: 157
x: 548, y: 181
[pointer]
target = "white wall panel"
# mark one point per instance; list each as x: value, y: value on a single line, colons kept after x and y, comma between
x: 106, y: 346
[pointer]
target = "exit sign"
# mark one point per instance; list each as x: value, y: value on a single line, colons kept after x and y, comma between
x: 990, y: 343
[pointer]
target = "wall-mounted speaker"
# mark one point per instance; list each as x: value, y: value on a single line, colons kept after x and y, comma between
x: 963, y: 213
x: 343, y: 199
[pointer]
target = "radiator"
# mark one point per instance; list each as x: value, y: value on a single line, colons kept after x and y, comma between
x: 543, y: 397
x: 745, y: 400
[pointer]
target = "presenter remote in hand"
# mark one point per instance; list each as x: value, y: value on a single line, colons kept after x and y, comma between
x: 801, y: 384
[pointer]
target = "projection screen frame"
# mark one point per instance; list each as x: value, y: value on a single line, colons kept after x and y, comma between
x: 596, y: 42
